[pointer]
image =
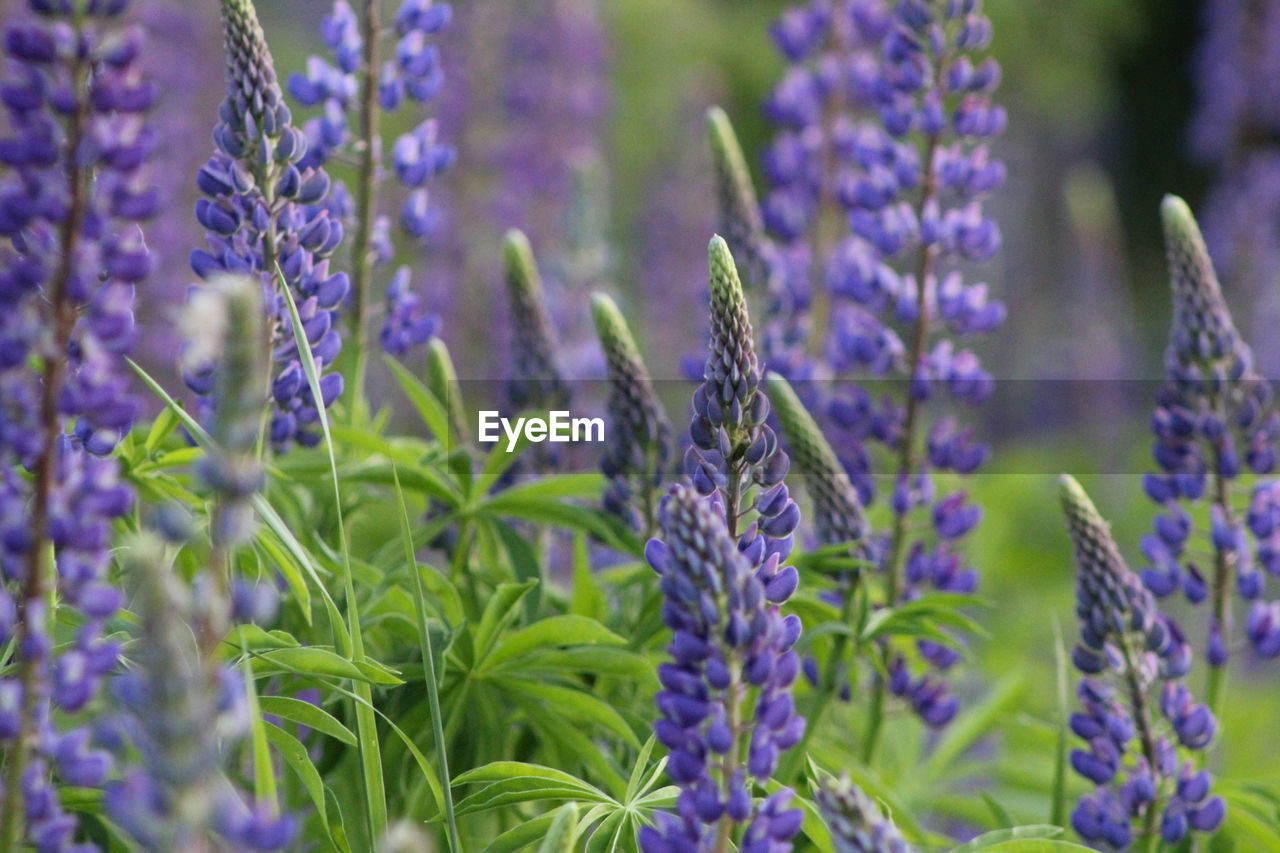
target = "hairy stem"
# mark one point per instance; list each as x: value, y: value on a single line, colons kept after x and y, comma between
x: 1223, y: 569
x: 367, y: 149
x: 1146, y: 737
x: 51, y: 428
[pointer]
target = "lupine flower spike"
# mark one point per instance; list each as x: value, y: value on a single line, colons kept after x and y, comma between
x: 885, y: 114
x: 355, y: 85
x: 72, y: 191
x: 224, y: 325
x: 733, y: 448
x: 856, y: 822
x: 637, y: 458
x: 537, y: 382
x: 838, y: 516
x: 739, y: 213
x: 1214, y: 421
x: 1134, y: 660
x: 183, y: 709
x: 265, y: 213
x: 726, y: 704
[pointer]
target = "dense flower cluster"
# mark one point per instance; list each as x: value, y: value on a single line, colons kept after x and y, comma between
x: 1234, y: 132
x: 72, y: 192
x: 856, y: 822
x: 1214, y: 421
x: 181, y: 708
x: 1129, y: 651
x: 733, y: 448
x: 345, y: 90
x: 265, y: 213
x: 730, y: 646
x: 885, y: 116
x: 638, y: 454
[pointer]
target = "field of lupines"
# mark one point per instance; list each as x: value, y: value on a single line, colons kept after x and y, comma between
x: 297, y: 563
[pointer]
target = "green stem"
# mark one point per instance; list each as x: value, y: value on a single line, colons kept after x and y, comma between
x: 361, y: 251
x: 1223, y: 569
x: 38, y: 563
x: 896, y: 557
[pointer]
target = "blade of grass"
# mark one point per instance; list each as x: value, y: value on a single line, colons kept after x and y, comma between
x: 264, y: 772
x: 366, y: 721
x: 1058, y: 808
x: 428, y: 659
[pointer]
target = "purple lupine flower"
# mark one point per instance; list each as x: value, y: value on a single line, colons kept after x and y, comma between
x: 726, y: 694
x: 1214, y: 423
x: 181, y: 709
x: 1234, y: 133
x: 265, y: 212
x: 856, y: 822
x: 637, y: 456
x: 733, y: 449
x: 1130, y: 653
x: 73, y: 191
x: 885, y: 116
x: 350, y: 99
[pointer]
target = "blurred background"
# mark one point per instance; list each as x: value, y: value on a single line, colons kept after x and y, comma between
x: 582, y: 122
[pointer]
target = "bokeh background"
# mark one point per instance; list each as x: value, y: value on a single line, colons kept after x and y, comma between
x: 582, y: 122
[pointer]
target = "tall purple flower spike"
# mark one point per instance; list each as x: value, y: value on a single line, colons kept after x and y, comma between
x: 266, y: 214
x: 726, y: 704
x: 72, y: 193
x: 412, y: 75
x: 1133, y: 659
x: 885, y: 115
x: 1215, y: 423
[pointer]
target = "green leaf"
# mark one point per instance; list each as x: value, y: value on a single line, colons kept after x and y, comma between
x: 1033, y: 845
x: 587, y: 598
x: 498, y: 614
x: 612, y: 532
x: 264, y: 772
x: 498, y: 771
x: 295, y: 755
x: 161, y: 428
x: 563, y: 832
x: 993, y: 840
x: 306, y: 714
x: 366, y: 724
x: 575, y: 703
x: 433, y: 413
x: 637, y: 770
x: 315, y: 661
x: 522, y: 836
x: 429, y: 664
x: 554, y: 632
